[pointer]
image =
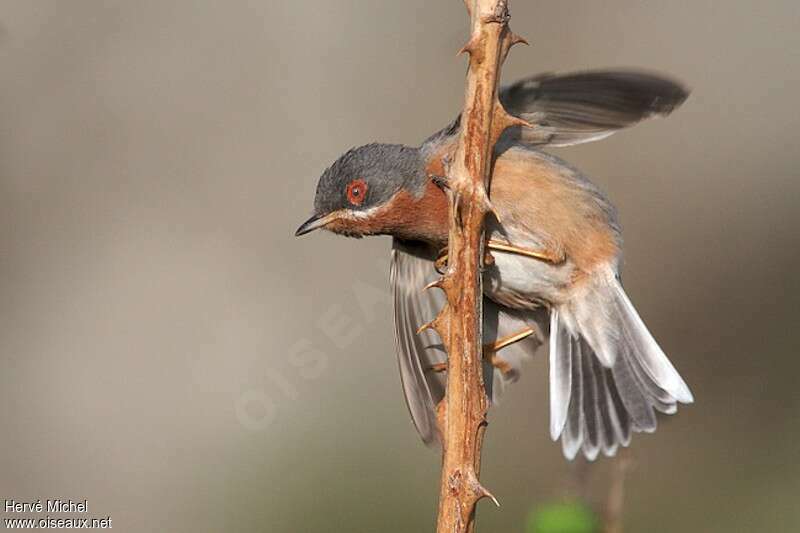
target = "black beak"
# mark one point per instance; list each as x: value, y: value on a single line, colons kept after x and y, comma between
x: 315, y: 222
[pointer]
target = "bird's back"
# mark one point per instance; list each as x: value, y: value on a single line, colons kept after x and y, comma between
x: 544, y: 203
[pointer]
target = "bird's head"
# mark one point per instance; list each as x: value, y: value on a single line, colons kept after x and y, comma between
x: 367, y: 191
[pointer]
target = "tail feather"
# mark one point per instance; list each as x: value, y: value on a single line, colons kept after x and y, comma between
x: 653, y: 359
x: 595, y: 420
x: 591, y: 314
x: 634, y: 397
x: 574, y: 430
x: 660, y: 399
x: 601, y: 390
x: 591, y: 411
x: 560, y: 373
x: 620, y: 419
x: 611, y: 431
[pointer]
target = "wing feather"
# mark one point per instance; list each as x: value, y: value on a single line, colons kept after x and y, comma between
x: 579, y: 107
x: 412, y: 269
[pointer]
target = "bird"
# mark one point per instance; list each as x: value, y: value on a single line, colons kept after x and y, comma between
x: 556, y: 249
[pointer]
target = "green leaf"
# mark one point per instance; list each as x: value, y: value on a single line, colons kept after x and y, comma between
x: 569, y: 517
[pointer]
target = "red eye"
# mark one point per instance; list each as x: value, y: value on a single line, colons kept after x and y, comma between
x: 356, y: 191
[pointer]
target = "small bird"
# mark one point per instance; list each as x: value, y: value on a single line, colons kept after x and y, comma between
x: 556, y: 247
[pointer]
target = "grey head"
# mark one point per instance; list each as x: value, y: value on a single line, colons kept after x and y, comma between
x: 353, y: 189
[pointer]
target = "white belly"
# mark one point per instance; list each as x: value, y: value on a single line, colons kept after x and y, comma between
x: 522, y: 282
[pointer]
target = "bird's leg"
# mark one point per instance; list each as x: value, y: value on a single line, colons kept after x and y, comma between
x: 441, y: 261
x: 490, y: 352
x: 547, y: 255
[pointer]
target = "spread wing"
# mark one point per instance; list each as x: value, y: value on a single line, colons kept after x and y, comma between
x: 412, y: 269
x: 586, y: 106
x: 579, y: 107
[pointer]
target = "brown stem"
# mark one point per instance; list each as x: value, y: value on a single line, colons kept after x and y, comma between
x: 616, y: 492
x: 462, y: 413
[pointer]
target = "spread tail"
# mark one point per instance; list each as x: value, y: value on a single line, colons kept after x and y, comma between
x: 608, y: 375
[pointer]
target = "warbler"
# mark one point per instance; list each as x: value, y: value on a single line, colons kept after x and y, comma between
x: 556, y: 249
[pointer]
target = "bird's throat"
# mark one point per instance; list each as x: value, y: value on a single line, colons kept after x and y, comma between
x: 419, y: 217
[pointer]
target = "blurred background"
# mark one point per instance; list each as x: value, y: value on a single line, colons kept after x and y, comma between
x: 172, y: 354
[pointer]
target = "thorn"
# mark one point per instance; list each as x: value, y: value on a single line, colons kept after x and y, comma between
x: 517, y: 39
x: 437, y: 283
x: 442, y: 321
x: 494, y: 212
x: 467, y: 47
x: 503, y: 119
x: 435, y: 324
x: 483, y: 201
x: 508, y: 120
x: 484, y: 493
x: 486, y: 203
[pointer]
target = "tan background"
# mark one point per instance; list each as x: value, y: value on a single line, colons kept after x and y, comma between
x: 171, y: 352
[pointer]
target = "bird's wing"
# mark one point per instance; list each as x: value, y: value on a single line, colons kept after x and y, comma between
x: 412, y: 269
x: 579, y: 107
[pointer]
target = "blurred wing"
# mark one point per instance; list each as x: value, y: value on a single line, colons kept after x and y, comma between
x: 412, y: 268
x: 579, y: 107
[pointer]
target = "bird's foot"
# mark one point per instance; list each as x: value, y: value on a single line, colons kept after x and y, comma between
x: 441, y: 261
x: 438, y: 367
x: 490, y: 352
x: 496, y: 361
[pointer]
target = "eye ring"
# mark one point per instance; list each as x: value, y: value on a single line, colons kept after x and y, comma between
x: 356, y: 191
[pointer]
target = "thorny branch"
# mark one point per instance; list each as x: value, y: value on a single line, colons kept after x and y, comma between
x: 462, y: 412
